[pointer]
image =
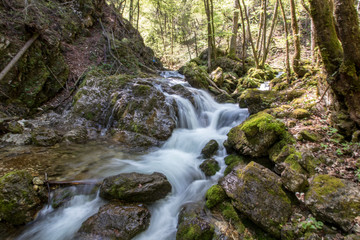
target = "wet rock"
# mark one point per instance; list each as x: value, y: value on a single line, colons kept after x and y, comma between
x: 45, y: 137
x: 293, y: 180
x: 255, y: 136
x: 135, y: 187
x: 300, y: 113
x: 210, y: 149
x: 257, y: 192
x: 115, y: 221
x: 334, y: 200
x: 133, y: 140
x: 61, y: 196
x: 120, y: 102
x: 195, y: 75
x: 18, y: 200
x: 78, y: 135
x: 224, y: 98
x: 256, y: 100
x: 17, y: 139
x: 193, y: 223
x: 233, y: 161
x: 209, y: 167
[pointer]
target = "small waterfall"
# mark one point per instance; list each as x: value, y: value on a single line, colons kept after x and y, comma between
x: 179, y: 159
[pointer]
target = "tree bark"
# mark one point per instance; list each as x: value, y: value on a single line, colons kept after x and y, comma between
x: 250, y: 37
x: 273, y: 23
x: 287, y: 60
x: 341, y: 61
x: 232, y: 50
x: 264, y: 31
x: 296, y: 39
x: 244, y: 36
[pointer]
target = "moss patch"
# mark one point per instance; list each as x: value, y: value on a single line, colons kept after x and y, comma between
x: 214, y: 196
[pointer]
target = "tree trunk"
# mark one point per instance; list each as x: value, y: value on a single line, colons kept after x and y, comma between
x: 250, y: 37
x: 264, y: 31
x: 296, y: 39
x: 347, y: 23
x: 138, y: 15
x: 213, y: 30
x: 244, y: 36
x: 131, y: 11
x: 287, y: 60
x: 266, y: 51
x: 341, y: 62
x: 232, y: 50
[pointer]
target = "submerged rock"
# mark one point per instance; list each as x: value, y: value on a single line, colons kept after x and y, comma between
x: 334, y: 200
x: 255, y: 136
x: 193, y: 223
x: 17, y: 139
x: 135, y: 187
x: 257, y: 192
x: 210, y: 149
x: 115, y: 221
x: 18, y: 199
x: 209, y: 167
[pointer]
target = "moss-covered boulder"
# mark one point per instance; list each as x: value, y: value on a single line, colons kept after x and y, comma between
x: 210, y: 148
x: 228, y: 65
x: 127, y: 104
x: 234, y: 160
x: 193, y: 224
x: 214, y: 196
x: 308, y: 136
x: 15, y: 127
x: 115, y: 221
x: 195, y: 75
x: 294, y: 181
x: 45, y: 137
x: 209, y: 167
x: 257, y: 193
x: 334, y: 200
x: 218, y: 76
x: 18, y: 199
x: 135, y: 187
x: 255, y: 136
x: 300, y: 113
x: 265, y: 74
x: 256, y: 100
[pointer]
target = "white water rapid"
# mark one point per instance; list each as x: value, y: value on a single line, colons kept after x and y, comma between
x: 179, y: 159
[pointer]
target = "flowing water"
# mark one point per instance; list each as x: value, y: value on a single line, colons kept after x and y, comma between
x: 179, y: 159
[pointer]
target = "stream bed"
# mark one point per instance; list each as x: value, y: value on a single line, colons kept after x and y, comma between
x: 198, y: 122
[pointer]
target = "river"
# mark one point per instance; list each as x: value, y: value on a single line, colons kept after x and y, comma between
x: 179, y: 159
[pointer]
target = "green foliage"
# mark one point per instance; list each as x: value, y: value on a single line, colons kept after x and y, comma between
x: 311, y: 224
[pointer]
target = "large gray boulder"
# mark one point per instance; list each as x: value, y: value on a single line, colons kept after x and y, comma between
x: 257, y: 193
x: 334, y: 200
x: 135, y: 187
x: 115, y: 221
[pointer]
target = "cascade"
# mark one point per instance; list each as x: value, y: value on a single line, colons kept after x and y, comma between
x: 179, y: 159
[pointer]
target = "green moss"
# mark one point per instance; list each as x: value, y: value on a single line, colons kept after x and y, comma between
x: 325, y: 184
x: 263, y: 122
x: 229, y: 212
x: 232, y: 161
x: 194, y: 232
x: 141, y: 90
x: 300, y: 113
x: 308, y: 136
x: 214, y: 196
x: 293, y: 161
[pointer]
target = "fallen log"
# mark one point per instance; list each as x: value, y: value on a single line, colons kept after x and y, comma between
x: 74, y: 183
x: 18, y: 56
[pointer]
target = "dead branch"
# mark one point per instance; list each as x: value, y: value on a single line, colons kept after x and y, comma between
x: 18, y: 56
